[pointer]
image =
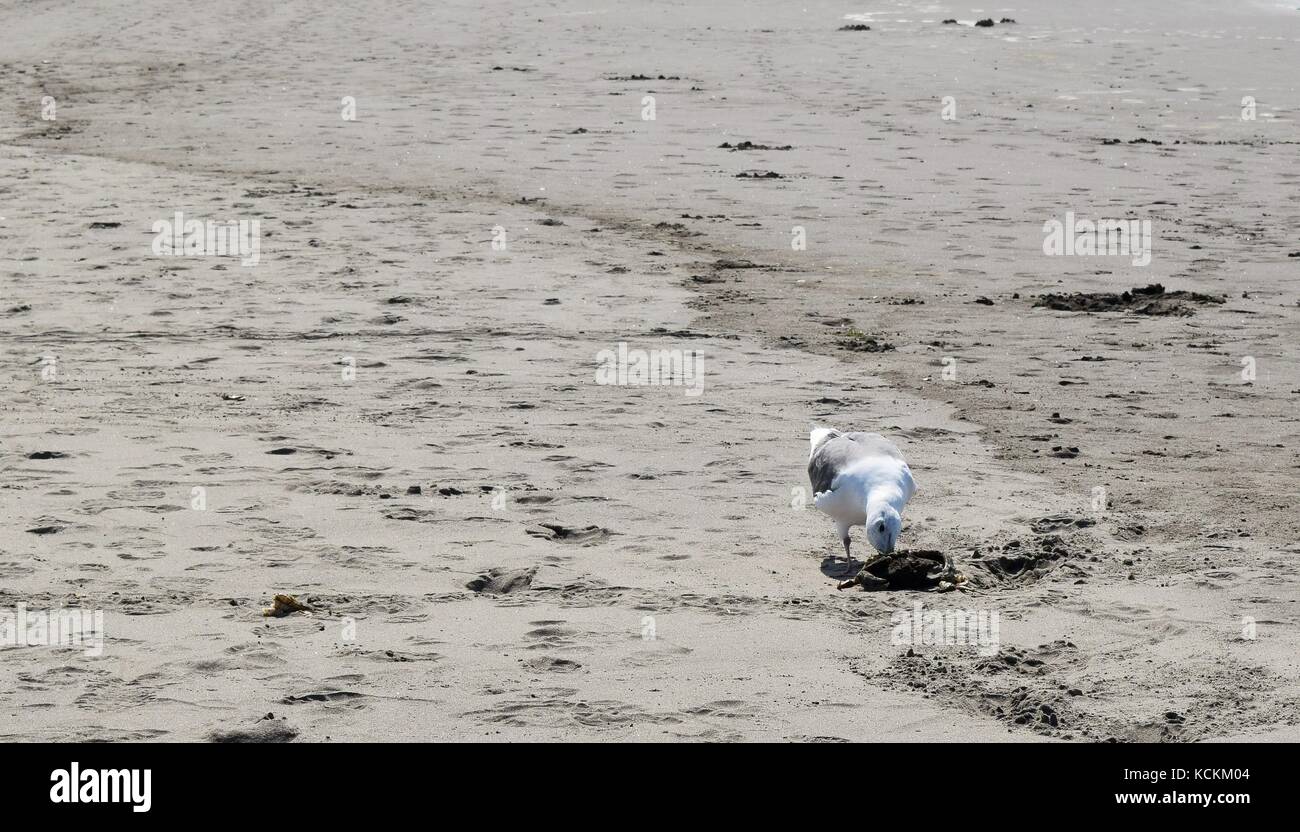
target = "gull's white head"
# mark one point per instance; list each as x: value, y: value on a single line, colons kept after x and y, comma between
x: 883, y: 527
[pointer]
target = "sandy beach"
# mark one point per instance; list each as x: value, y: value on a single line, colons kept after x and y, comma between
x: 392, y: 408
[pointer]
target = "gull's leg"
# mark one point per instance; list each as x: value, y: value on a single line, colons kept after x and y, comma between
x: 843, y: 529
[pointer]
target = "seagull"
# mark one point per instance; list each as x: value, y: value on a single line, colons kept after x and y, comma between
x: 860, y: 479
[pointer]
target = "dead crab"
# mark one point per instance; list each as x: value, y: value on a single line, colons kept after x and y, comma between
x: 920, y: 569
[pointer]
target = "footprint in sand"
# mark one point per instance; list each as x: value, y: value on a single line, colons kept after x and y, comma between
x: 503, y: 581
x: 583, y: 536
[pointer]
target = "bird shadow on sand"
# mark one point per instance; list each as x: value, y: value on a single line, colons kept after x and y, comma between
x: 841, y: 569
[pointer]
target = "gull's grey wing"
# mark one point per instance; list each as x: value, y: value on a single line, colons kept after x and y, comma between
x: 839, y: 450
x: 875, y: 445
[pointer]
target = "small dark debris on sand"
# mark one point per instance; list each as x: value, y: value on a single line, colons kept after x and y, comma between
x: 503, y: 581
x: 1148, y: 300
x: 747, y: 145
x: 1007, y: 20
x: 644, y: 78
x: 855, y: 27
x: 985, y: 23
x: 759, y: 174
x: 950, y: 22
x: 856, y: 340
